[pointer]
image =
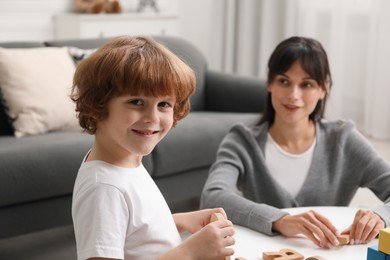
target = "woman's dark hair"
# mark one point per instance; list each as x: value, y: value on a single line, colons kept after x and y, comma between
x: 313, y: 60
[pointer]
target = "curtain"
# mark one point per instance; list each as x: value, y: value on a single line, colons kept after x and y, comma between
x: 355, y: 34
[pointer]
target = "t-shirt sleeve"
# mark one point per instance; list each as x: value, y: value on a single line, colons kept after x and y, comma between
x: 100, y: 217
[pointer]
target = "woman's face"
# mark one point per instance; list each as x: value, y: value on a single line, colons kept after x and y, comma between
x: 294, y: 95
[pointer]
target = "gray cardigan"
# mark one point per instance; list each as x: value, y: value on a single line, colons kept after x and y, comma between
x: 343, y: 161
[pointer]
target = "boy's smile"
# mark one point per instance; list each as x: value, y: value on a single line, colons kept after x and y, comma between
x: 146, y: 133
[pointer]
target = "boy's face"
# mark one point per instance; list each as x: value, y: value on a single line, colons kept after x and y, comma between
x: 135, y: 124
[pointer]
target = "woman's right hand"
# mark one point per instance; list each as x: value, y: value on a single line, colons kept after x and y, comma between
x: 311, y: 224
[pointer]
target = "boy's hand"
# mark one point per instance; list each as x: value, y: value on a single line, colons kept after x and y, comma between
x: 365, y: 227
x: 212, y: 241
x: 195, y: 220
x: 313, y: 225
x: 208, y: 242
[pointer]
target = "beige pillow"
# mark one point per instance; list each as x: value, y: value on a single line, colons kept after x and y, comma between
x: 36, y: 85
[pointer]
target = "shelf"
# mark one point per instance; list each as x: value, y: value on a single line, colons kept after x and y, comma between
x: 73, y: 26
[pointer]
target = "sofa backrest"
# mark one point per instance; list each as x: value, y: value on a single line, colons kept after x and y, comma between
x: 185, y: 50
x: 5, y: 125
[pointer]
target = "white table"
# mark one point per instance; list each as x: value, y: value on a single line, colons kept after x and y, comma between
x: 251, y: 244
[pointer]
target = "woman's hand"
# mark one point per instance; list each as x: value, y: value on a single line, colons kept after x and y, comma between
x: 365, y: 227
x: 311, y: 224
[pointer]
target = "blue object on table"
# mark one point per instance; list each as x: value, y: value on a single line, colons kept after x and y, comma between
x: 374, y: 254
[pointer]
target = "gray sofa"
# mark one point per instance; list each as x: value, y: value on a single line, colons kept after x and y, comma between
x: 37, y: 172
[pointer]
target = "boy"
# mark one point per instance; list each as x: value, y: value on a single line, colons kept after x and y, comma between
x: 129, y: 94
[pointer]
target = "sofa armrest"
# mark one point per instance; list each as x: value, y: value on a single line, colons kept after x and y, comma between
x: 232, y: 93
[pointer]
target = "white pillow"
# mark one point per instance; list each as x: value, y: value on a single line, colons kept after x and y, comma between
x: 36, y: 85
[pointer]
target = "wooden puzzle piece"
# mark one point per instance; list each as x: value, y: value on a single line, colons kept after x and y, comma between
x: 315, y: 258
x: 283, y: 254
x: 240, y: 258
x: 215, y: 217
x: 271, y: 255
x: 384, y: 240
x: 343, y: 239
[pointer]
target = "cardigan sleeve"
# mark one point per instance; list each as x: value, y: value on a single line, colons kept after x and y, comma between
x: 224, y: 186
x: 373, y: 170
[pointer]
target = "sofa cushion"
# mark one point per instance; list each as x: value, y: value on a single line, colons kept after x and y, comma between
x: 36, y: 84
x: 40, y: 166
x: 194, y: 142
x: 5, y: 122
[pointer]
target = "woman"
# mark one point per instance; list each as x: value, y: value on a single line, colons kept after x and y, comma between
x: 295, y: 158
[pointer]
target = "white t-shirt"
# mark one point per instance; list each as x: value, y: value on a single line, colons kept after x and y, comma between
x: 289, y: 170
x: 120, y: 213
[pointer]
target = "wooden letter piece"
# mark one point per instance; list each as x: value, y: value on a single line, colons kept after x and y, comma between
x: 343, y: 239
x: 315, y: 258
x: 283, y: 254
x: 216, y: 216
x: 384, y: 241
x: 271, y: 255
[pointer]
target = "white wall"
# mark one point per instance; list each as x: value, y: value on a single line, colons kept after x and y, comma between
x: 33, y: 20
x: 195, y: 23
x: 355, y: 35
x: 24, y: 20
